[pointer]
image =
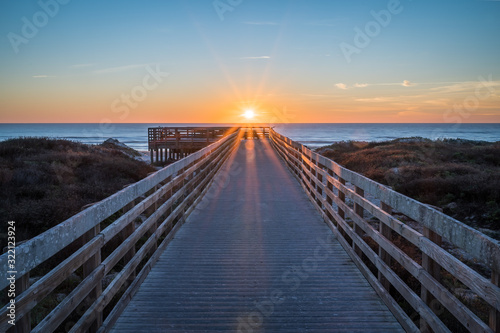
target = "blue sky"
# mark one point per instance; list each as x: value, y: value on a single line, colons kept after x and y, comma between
x: 264, y: 54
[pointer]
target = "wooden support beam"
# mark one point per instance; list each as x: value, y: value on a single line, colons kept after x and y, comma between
x: 494, y: 313
x: 329, y: 200
x: 88, y: 269
x: 386, y: 232
x: 358, y: 209
x: 434, y: 270
x: 125, y: 233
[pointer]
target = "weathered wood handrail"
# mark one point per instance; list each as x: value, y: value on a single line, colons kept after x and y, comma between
x: 353, y: 206
x: 106, y: 234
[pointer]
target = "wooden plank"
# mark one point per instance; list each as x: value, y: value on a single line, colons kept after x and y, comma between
x: 45, y: 245
x: 463, y: 314
x: 478, y: 284
x: 117, y: 310
x: 494, y: 319
x: 458, y: 309
x: 130, y: 242
x: 67, y: 267
x: 358, y: 210
x: 132, y: 289
x: 69, y: 304
x: 434, y: 270
x: 474, y: 242
x: 85, y: 322
x: 464, y: 273
x: 87, y: 268
x: 396, y: 281
x: 401, y: 316
x: 339, y: 228
x: 26, y: 301
x: 385, y: 231
x: 341, y: 198
x: 223, y: 261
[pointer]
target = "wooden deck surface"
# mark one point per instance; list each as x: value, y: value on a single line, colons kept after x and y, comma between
x: 255, y: 257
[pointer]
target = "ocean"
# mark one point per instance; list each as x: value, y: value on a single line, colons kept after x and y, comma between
x: 312, y: 135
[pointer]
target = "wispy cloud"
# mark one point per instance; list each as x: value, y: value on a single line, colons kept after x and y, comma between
x: 327, y: 23
x: 342, y: 86
x: 375, y: 99
x: 317, y: 95
x: 119, y: 69
x: 261, y: 23
x: 464, y: 86
x: 438, y: 102
x: 255, y: 58
x: 82, y: 65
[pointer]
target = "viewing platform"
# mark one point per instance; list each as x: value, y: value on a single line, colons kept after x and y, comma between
x: 174, y: 143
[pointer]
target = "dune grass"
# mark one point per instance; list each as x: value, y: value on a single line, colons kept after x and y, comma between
x: 45, y: 181
x: 460, y: 176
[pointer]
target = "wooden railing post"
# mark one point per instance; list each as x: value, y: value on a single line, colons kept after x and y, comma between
x: 386, y: 232
x: 358, y: 209
x: 434, y: 270
x: 494, y: 313
x: 125, y: 233
x: 329, y: 200
x: 319, y: 188
x: 339, y: 209
x: 151, y: 209
x: 303, y: 175
x: 342, y: 198
x: 88, y: 268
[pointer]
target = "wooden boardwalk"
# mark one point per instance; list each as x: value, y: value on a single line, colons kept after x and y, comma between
x: 255, y: 256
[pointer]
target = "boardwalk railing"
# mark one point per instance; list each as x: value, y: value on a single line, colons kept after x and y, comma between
x: 408, y: 268
x: 101, y: 255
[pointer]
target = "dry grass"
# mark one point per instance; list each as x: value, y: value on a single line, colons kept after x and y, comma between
x: 45, y: 181
x: 460, y: 176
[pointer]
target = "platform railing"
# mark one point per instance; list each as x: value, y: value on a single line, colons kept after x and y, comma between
x: 410, y: 265
x: 104, y: 253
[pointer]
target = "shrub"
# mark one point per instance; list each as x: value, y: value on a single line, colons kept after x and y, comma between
x: 45, y: 181
x: 463, y: 172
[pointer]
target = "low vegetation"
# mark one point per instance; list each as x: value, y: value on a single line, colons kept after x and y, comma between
x: 461, y: 177
x: 45, y: 181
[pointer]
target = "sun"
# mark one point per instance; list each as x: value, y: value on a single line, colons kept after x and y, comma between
x: 249, y: 114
